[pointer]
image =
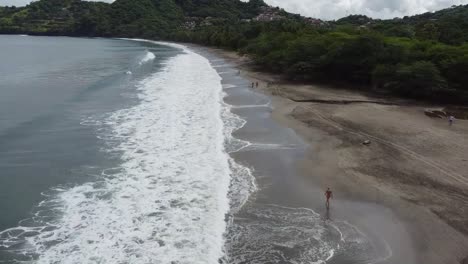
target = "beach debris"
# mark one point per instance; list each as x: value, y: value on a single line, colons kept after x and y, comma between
x: 435, y: 113
x: 458, y: 112
x: 366, y: 142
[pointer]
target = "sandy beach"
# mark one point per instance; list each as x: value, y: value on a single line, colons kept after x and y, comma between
x: 413, y: 165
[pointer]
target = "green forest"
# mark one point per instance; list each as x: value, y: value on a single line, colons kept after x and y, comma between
x: 422, y: 57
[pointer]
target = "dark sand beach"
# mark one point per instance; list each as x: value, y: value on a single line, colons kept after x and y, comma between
x: 401, y: 199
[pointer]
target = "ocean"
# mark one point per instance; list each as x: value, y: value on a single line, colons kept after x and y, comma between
x: 131, y: 151
x: 111, y: 151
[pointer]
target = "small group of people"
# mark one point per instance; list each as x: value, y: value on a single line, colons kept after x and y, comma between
x: 255, y: 85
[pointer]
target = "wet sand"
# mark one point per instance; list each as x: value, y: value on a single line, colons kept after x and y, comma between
x: 407, y: 190
x: 285, y: 220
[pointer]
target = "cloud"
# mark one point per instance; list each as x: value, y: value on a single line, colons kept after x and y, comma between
x: 334, y: 9
x: 25, y: 2
x: 13, y: 2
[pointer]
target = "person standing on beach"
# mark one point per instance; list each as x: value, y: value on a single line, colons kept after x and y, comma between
x: 256, y: 84
x: 253, y: 85
x: 451, y: 119
x: 328, y: 195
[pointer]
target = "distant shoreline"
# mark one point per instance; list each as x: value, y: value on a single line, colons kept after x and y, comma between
x: 401, y: 167
x: 448, y: 97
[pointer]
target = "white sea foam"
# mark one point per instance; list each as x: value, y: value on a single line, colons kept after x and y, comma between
x: 221, y: 65
x: 167, y: 201
x: 267, y: 105
x: 149, y: 56
x: 229, y: 86
x: 242, y: 181
x: 227, y: 72
x: 273, y: 233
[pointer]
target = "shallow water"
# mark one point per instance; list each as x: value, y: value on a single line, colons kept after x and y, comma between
x: 284, y: 220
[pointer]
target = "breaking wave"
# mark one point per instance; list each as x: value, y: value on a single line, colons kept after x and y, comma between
x: 167, y: 200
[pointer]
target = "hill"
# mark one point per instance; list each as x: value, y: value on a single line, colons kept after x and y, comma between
x: 447, y: 26
x: 142, y: 18
x: 423, y: 56
x: 51, y: 17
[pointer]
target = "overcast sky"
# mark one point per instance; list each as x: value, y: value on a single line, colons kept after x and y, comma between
x: 333, y: 9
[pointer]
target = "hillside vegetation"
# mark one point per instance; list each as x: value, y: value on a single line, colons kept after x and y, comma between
x: 423, y: 56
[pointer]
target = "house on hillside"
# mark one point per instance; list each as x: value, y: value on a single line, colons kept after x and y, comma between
x: 269, y: 14
x: 315, y: 22
x: 191, y: 23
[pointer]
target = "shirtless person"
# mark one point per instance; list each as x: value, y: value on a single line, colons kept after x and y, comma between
x: 328, y: 195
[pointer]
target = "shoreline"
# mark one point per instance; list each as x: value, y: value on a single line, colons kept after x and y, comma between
x: 337, y: 157
x: 283, y: 201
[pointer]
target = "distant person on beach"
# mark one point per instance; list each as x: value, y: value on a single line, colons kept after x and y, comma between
x: 328, y: 195
x: 253, y: 85
x: 451, y: 120
x: 256, y: 84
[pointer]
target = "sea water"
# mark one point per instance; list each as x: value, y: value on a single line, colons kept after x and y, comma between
x: 134, y: 134
x: 121, y: 151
